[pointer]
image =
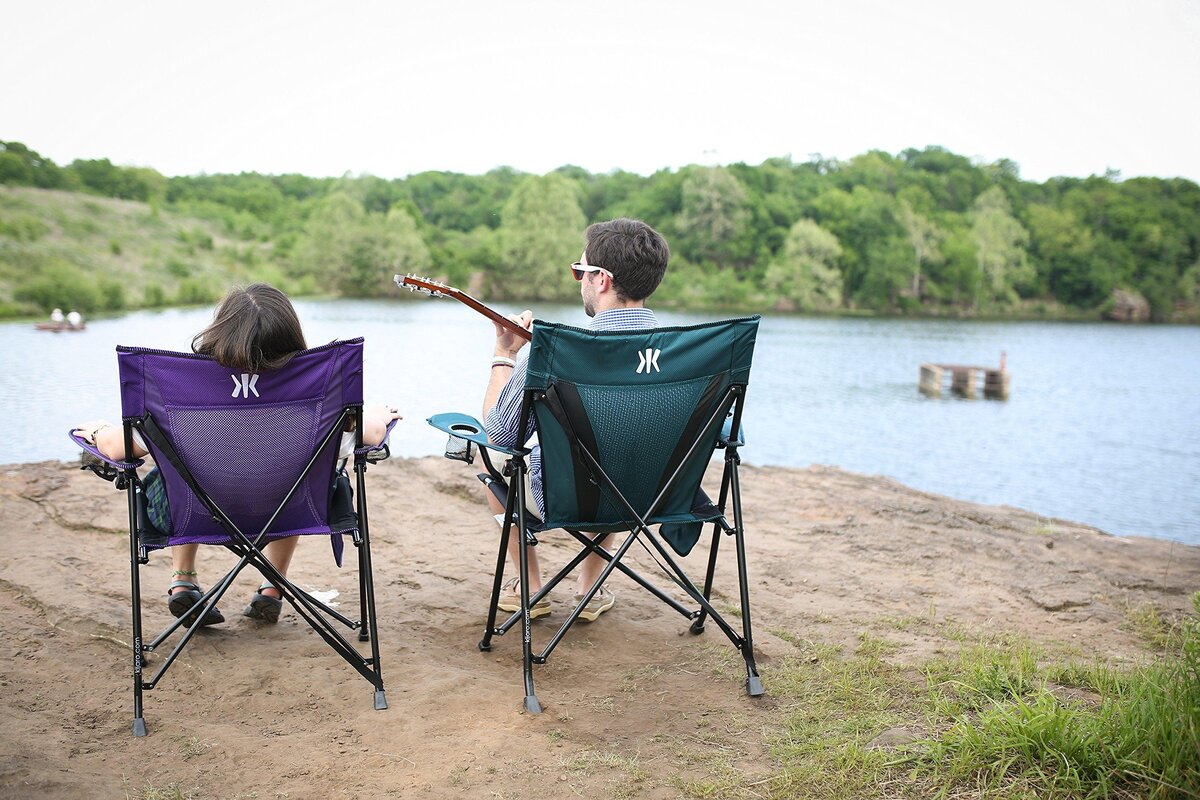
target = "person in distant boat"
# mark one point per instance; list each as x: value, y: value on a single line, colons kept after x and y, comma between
x: 253, y: 329
x: 56, y: 316
x: 74, y: 320
x: 622, y: 264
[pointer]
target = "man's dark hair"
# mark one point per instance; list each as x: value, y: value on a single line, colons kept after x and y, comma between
x: 632, y: 251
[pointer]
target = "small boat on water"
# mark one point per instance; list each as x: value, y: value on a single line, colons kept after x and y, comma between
x: 59, y: 327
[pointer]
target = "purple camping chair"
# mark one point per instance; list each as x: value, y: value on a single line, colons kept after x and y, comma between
x: 246, y: 459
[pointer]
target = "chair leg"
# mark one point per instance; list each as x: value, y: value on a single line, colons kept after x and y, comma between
x: 485, y: 644
x: 366, y: 580
x: 364, y: 632
x: 726, y: 473
x: 139, y: 722
x: 532, y: 705
x: 697, y: 627
x: 754, y: 685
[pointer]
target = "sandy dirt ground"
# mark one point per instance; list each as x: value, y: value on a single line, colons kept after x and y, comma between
x: 269, y: 711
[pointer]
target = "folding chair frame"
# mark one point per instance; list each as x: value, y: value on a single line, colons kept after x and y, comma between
x: 317, y: 614
x: 517, y: 512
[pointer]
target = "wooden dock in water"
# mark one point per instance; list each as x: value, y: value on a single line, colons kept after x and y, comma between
x: 965, y: 381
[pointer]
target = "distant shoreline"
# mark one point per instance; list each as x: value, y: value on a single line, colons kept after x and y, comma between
x: 1057, y: 315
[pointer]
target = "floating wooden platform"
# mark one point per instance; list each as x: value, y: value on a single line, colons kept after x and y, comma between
x: 965, y: 380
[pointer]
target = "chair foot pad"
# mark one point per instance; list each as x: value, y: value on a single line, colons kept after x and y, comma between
x: 532, y: 705
x: 139, y: 727
x: 754, y: 686
x: 380, y: 700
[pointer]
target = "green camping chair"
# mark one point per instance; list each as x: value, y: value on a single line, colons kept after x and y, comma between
x: 628, y: 421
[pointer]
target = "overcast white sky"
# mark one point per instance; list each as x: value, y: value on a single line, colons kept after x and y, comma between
x: 1062, y: 88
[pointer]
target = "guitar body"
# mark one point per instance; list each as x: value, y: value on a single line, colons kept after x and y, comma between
x: 415, y: 283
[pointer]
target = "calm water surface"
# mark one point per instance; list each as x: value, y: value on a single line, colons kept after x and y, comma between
x: 1103, y: 425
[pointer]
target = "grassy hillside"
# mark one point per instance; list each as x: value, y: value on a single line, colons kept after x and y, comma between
x: 71, y: 250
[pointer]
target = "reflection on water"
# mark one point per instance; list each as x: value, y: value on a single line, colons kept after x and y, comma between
x: 1103, y: 425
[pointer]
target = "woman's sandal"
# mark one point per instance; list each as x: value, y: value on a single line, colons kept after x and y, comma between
x: 182, y: 604
x: 264, y: 606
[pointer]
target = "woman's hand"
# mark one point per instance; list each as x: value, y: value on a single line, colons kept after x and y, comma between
x: 88, y: 431
x: 109, y: 439
x: 375, y: 422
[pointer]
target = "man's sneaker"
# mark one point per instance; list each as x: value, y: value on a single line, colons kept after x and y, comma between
x: 601, y: 602
x: 510, y: 599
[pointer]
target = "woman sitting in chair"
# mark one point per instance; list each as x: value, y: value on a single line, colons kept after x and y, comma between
x: 253, y: 329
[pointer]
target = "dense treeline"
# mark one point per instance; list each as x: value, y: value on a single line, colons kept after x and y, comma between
x: 924, y: 231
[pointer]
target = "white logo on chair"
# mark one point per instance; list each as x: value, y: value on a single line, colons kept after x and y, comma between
x: 648, y: 359
x: 245, y: 385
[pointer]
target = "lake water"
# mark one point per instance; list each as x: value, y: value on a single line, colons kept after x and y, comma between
x: 1103, y: 425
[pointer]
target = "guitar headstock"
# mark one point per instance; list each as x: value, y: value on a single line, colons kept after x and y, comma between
x: 416, y: 283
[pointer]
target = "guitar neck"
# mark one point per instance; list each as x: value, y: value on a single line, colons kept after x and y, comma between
x: 437, y: 289
x: 494, y: 316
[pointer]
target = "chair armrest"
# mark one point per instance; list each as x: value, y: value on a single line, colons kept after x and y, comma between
x: 726, y: 429
x: 466, y: 427
x: 91, y: 448
x: 371, y: 448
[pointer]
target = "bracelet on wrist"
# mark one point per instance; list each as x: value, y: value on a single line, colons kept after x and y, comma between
x: 501, y: 361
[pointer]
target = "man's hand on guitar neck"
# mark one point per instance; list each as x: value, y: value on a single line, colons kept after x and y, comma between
x: 508, y: 344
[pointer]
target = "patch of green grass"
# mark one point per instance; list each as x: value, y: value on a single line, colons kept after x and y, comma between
x: 708, y: 760
x: 874, y: 648
x: 458, y: 776
x: 191, y: 747
x: 65, y: 249
x: 629, y: 776
x: 1140, y: 740
x: 148, y: 792
x: 1043, y: 528
x: 1002, y: 720
x: 1151, y: 625
x: 635, y: 679
x: 835, y: 708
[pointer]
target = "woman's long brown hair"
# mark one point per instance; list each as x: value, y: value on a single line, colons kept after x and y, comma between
x: 253, y: 329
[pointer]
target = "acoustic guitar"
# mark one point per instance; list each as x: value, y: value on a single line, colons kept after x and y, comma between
x: 415, y: 283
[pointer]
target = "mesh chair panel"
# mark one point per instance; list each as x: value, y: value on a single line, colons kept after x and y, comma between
x: 637, y: 427
x: 237, y: 476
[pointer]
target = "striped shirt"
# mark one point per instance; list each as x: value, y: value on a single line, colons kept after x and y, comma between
x: 504, y: 420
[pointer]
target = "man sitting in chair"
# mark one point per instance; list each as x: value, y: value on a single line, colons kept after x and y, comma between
x: 622, y: 264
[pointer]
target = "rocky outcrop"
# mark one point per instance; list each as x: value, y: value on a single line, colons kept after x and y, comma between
x: 1127, y: 306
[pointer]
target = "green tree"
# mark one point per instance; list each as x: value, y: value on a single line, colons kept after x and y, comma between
x: 1066, y: 253
x: 1000, y: 242
x: 59, y: 284
x: 328, y: 236
x: 805, y: 276
x: 405, y: 250
x: 24, y: 167
x: 357, y: 253
x: 541, y: 231
x: 925, y: 238
x: 876, y: 256
x: 712, y: 220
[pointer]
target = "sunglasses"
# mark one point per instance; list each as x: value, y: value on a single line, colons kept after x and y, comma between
x: 578, y: 270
